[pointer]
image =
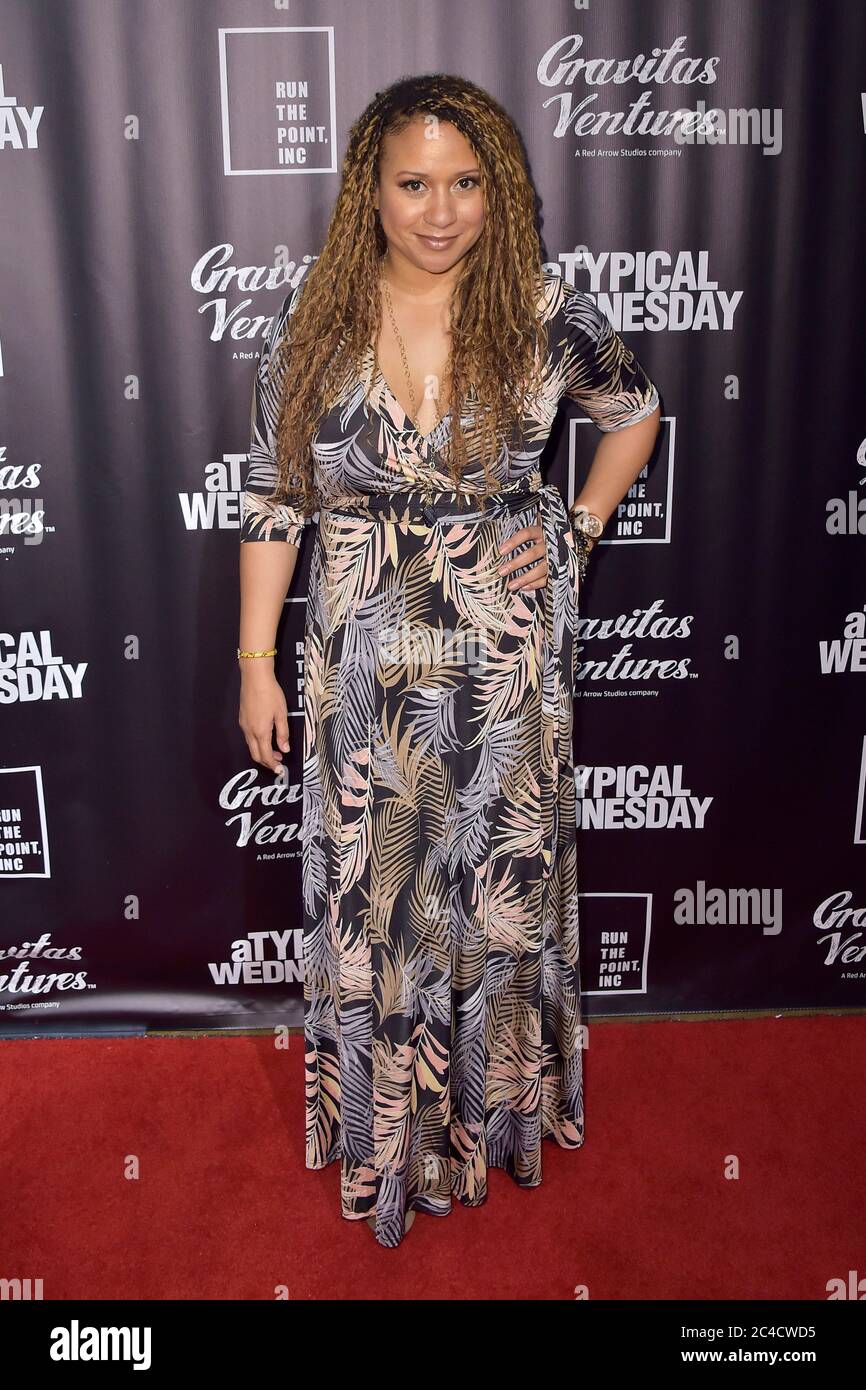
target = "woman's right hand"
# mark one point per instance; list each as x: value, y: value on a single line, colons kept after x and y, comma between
x: 263, y: 714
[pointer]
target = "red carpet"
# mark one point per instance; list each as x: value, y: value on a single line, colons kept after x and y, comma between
x: 224, y: 1208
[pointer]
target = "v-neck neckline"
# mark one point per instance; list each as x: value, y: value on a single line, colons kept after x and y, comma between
x: 409, y: 425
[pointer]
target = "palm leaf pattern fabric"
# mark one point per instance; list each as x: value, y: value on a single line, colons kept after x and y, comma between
x: 442, y: 1016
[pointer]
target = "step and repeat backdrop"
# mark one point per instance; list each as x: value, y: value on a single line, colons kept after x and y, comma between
x: 168, y: 171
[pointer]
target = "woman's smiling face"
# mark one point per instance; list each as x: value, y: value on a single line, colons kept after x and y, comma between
x: 429, y: 196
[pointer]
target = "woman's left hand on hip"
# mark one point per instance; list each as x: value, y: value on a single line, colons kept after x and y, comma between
x: 533, y: 556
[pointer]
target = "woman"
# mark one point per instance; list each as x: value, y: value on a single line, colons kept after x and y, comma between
x: 405, y: 393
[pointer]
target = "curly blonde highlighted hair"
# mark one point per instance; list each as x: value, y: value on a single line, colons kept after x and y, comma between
x: 497, y: 336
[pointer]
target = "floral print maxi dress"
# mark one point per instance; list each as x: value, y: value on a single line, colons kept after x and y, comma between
x: 440, y: 912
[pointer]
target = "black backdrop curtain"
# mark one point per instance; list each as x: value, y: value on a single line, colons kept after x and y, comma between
x: 159, y: 195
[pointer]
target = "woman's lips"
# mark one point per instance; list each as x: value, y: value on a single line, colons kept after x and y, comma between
x: 436, y: 243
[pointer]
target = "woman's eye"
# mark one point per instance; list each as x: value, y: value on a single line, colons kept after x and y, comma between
x: 414, y: 184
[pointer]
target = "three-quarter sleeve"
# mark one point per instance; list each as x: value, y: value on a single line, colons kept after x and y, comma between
x: 598, y: 370
x: 262, y: 519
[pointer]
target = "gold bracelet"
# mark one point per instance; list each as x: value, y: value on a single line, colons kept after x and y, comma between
x: 272, y: 652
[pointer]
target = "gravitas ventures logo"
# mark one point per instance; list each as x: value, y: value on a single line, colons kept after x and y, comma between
x: 561, y: 66
x: 31, y: 969
x: 264, y: 815
x: 609, y: 655
x: 841, y: 927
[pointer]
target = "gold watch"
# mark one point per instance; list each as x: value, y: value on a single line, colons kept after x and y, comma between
x: 587, y: 522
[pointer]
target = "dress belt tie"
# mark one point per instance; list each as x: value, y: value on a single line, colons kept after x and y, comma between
x: 523, y: 492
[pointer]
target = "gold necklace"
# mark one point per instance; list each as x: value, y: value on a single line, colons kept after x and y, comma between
x: 402, y: 348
